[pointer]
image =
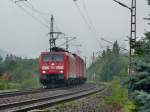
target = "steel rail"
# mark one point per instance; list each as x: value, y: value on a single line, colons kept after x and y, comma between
x: 51, y: 100
x: 18, y: 92
x: 28, y: 91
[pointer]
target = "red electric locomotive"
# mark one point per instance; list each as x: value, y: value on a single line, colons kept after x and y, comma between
x: 61, y: 67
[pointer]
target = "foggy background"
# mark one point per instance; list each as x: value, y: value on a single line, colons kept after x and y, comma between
x: 22, y: 35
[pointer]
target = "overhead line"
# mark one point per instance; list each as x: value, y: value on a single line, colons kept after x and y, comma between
x: 34, y: 10
x: 90, y: 21
x: 113, y: 43
x: 89, y: 18
x: 68, y: 41
x: 84, y: 18
x: 89, y: 24
x: 41, y: 13
x: 28, y: 13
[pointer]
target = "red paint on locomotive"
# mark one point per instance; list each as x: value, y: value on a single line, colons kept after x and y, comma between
x: 61, y: 67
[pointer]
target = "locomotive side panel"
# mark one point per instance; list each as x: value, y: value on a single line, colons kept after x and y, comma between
x: 71, y: 67
x: 80, y: 67
x: 66, y: 70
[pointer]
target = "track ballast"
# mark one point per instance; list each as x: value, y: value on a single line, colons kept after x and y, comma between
x: 42, y: 99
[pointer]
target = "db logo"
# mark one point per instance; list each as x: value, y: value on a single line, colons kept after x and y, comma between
x: 52, y: 67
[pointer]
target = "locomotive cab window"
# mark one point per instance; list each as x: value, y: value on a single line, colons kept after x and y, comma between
x: 53, y: 57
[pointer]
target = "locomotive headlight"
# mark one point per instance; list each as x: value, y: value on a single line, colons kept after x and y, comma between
x: 59, y: 67
x: 61, y: 71
x: 45, y: 67
x: 43, y: 72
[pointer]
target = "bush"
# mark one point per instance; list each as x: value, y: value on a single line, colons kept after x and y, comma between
x: 119, y: 98
x: 142, y: 100
x: 4, y: 85
x: 30, y: 83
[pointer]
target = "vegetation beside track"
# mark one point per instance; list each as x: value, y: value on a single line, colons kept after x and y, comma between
x: 119, y: 100
x: 111, y: 67
x: 110, y: 64
x: 139, y: 82
x: 18, y: 73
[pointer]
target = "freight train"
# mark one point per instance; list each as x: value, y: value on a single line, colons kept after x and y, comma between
x: 59, y: 67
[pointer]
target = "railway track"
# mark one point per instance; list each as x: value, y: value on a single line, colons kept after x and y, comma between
x: 28, y: 91
x: 19, y: 92
x: 42, y: 99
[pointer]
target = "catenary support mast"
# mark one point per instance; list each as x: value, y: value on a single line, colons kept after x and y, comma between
x: 53, y: 35
x: 132, y: 38
x: 52, y: 39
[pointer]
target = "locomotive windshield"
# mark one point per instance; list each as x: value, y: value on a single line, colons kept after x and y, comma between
x: 53, y: 57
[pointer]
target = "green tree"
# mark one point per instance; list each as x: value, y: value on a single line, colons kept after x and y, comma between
x: 1, y: 58
x: 139, y: 81
x: 109, y: 65
x: 103, y: 53
x: 108, y: 52
x: 10, y: 62
x: 116, y: 48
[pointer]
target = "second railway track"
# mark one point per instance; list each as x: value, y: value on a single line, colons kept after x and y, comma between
x: 46, y: 98
x: 27, y: 91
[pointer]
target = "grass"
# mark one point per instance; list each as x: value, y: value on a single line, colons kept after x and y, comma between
x: 119, y: 99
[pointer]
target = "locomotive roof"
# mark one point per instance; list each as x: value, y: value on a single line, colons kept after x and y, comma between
x: 54, y: 52
x: 57, y: 50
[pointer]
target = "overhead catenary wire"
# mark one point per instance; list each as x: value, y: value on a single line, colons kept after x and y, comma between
x: 88, y: 21
x: 31, y: 15
x: 113, y: 43
x: 68, y: 41
x: 31, y: 6
x: 36, y: 10
x: 33, y: 9
x: 88, y: 16
x: 83, y: 16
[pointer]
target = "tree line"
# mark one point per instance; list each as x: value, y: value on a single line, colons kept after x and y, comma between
x: 110, y: 64
x: 21, y: 71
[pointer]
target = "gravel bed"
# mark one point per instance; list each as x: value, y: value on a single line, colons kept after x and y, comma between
x: 92, y: 103
x: 40, y: 95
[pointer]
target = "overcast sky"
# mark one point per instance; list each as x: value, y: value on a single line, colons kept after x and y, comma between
x: 20, y: 34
